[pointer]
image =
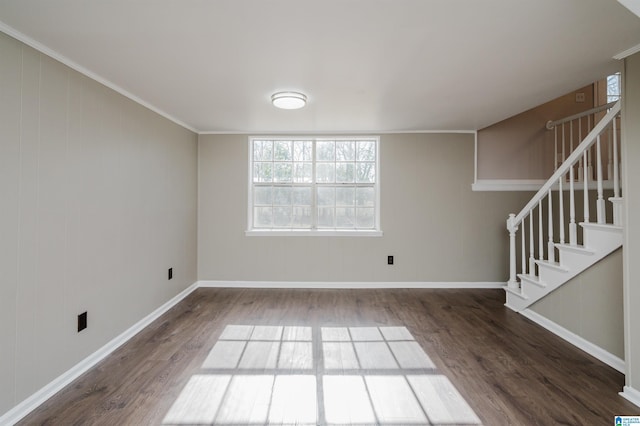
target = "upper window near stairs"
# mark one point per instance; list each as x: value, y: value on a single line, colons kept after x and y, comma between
x: 613, y: 87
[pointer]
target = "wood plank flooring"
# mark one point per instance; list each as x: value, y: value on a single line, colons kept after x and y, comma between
x: 508, y: 370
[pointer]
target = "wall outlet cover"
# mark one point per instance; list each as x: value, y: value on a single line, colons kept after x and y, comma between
x: 82, y: 321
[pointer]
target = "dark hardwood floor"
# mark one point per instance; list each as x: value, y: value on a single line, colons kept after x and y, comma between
x: 509, y: 370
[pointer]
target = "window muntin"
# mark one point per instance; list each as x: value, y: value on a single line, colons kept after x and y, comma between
x: 314, y: 184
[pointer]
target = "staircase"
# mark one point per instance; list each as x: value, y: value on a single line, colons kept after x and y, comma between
x: 551, y: 245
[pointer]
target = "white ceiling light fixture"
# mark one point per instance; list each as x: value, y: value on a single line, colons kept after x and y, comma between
x: 288, y: 100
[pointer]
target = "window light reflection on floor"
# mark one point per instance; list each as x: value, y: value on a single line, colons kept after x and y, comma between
x: 256, y: 375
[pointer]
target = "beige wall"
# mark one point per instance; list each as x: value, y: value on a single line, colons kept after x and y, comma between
x: 590, y: 305
x: 97, y: 200
x: 521, y: 147
x: 631, y: 179
x: 434, y: 225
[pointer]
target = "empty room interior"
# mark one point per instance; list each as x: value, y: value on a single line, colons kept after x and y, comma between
x: 319, y: 212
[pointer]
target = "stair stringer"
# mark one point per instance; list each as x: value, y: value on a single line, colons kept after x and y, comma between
x: 600, y: 240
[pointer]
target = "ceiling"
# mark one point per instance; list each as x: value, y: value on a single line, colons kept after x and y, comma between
x: 365, y: 65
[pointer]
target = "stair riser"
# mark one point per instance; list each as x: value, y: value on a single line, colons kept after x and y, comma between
x: 515, y: 303
x: 552, y: 277
x: 602, y: 240
x: 575, y: 261
x: 533, y: 291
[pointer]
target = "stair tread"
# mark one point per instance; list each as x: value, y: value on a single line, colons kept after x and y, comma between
x: 603, y: 226
x: 577, y: 248
x: 554, y: 265
x: 532, y: 279
x: 517, y: 291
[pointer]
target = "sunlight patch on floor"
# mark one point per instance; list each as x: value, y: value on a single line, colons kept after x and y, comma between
x: 257, y: 375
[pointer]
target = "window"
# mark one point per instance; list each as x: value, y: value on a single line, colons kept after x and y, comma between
x: 613, y: 87
x: 317, y: 185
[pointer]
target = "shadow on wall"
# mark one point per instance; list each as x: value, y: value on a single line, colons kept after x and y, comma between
x: 521, y: 147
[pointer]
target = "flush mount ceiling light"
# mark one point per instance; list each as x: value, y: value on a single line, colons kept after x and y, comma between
x: 288, y: 100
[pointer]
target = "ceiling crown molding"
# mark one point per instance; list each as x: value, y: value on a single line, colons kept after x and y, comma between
x: 84, y: 71
x: 632, y: 50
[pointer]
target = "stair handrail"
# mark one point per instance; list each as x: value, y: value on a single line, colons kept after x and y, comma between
x: 589, y: 140
x: 551, y: 124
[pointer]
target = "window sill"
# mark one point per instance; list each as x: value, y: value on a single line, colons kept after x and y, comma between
x: 312, y: 233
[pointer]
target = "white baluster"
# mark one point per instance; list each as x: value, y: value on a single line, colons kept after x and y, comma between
x: 561, y: 195
x: 512, y: 251
x: 551, y: 247
x: 580, y: 173
x: 589, y: 156
x: 555, y: 148
x: 610, y: 155
x: 564, y: 154
x: 561, y: 209
x: 573, y: 229
x: 540, y: 237
x: 570, y: 137
x: 532, y: 260
x: 600, y: 203
x: 616, y: 169
x: 524, y: 251
x: 586, y: 191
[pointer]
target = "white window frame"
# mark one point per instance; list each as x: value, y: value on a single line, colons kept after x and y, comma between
x: 612, y: 97
x: 322, y: 232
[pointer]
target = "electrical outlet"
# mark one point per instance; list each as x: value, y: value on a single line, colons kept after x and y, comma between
x: 82, y: 321
x: 580, y: 97
x: 170, y: 274
x: 389, y: 260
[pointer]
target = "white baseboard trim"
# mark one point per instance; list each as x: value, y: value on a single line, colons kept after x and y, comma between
x: 348, y: 285
x: 581, y: 343
x: 631, y: 395
x: 18, y: 412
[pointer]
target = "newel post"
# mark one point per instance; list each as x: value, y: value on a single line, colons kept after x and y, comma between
x: 512, y: 228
